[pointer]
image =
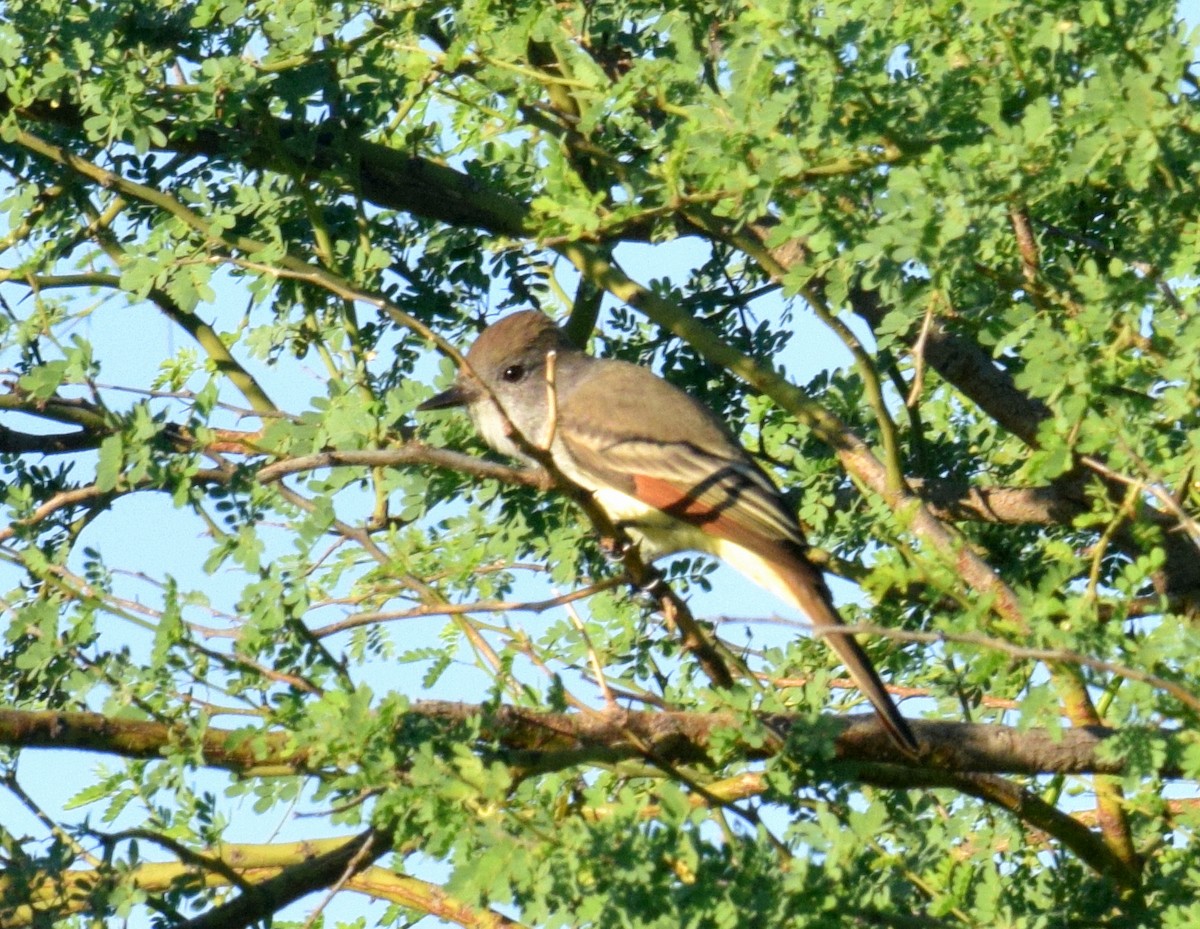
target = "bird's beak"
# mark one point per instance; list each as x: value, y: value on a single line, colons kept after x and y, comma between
x: 455, y: 396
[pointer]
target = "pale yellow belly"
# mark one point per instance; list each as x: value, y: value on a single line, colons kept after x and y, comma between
x: 661, y: 534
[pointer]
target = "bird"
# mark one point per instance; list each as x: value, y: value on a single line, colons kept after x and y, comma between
x: 659, y: 463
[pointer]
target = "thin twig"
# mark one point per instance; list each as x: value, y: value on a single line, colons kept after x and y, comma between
x: 918, y: 355
x: 551, y: 400
x: 597, y: 667
x: 479, y: 606
x: 352, y: 867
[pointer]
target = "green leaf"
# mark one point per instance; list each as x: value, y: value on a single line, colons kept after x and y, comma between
x: 43, y: 381
x: 111, y: 462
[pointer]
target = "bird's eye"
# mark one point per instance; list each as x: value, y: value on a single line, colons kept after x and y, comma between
x: 513, y: 373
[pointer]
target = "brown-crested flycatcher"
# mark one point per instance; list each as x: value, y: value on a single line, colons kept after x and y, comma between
x: 658, y: 462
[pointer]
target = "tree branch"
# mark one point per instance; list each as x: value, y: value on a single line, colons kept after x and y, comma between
x: 538, y: 741
x: 31, y: 896
x: 269, y: 896
x: 407, y: 454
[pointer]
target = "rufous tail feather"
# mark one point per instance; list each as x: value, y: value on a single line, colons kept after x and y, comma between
x: 811, y: 595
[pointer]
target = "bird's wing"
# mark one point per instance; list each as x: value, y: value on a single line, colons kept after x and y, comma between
x: 635, y: 432
x: 730, y: 497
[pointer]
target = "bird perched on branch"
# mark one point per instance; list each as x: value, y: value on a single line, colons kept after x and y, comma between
x: 659, y: 463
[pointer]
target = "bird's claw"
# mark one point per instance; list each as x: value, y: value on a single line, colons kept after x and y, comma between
x: 614, y: 550
x: 652, y: 585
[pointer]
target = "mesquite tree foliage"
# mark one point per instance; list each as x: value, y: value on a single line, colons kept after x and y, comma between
x: 241, y: 241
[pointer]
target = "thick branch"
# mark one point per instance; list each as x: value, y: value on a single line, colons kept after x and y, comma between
x: 1015, y: 506
x: 24, y: 443
x: 963, y: 363
x: 29, y: 897
x: 270, y: 896
x: 535, y: 741
x: 57, y: 409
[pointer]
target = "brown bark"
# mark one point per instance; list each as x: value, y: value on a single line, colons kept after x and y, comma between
x: 538, y: 741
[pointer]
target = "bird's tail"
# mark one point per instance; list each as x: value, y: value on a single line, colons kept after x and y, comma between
x: 810, y: 593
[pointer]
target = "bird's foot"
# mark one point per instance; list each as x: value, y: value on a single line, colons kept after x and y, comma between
x: 652, y: 584
x: 613, y: 549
